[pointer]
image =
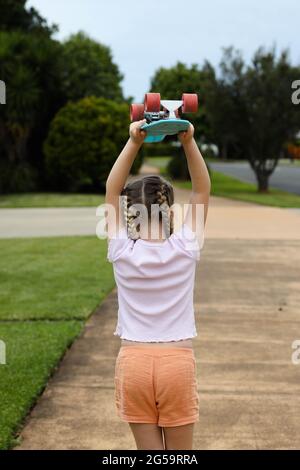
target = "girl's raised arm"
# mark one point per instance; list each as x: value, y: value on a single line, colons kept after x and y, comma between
x: 119, y: 173
x: 199, y: 176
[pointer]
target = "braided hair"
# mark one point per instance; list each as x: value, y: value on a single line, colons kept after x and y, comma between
x: 147, y: 191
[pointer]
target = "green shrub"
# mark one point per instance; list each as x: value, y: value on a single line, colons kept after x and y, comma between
x: 17, y: 178
x: 177, y: 167
x: 158, y: 149
x: 84, y: 141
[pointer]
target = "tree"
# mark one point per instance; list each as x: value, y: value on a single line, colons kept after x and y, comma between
x: 84, y: 140
x: 15, y: 17
x: 272, y: 119
x: 250, y: 109
x: 29, y: 65
x: 171, y: 83
x: 174, y: 81
x: 90, y: 70
x: 224, y: 107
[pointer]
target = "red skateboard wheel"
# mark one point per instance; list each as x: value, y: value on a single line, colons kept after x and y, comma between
x: 190, y: 103
x: 152, y: 102
x: 136, y: 112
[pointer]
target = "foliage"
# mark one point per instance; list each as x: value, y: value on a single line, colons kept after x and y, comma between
x: 172, y: 82
x: 157, y: 149
x: 84, y: 140
x: 250, y: 109
x: 30, y: 67
x: 89, y: 70
x: 14, y: 16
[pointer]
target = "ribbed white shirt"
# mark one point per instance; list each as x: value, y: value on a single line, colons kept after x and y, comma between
x: 155, y: 284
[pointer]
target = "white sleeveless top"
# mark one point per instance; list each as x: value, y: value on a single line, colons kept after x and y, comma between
x: 155, y: 284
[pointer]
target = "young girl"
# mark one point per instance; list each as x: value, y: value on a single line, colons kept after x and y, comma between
x: 155, y: 370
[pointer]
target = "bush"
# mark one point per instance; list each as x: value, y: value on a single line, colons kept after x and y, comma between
x: 84, y: 141
x: 177, y: 166
x: 157, y: 150
x: 17, y: 178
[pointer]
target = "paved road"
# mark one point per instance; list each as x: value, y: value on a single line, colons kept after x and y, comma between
x: 247, y: 297
x: 284, y: 177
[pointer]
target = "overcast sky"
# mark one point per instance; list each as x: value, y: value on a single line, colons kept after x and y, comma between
x: 144, y: 35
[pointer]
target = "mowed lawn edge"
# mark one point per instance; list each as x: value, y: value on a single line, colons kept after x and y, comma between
x: 231, y: 188
x: 31, y: 200
x: 33, y: 352
x: 222, y: 186
x: 48, y: 289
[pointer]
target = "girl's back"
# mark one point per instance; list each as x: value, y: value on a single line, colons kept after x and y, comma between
x: 155, y: 370
x: 155, y: 282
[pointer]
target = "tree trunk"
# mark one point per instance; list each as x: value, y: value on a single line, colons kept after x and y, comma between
x: 224, y: 150
x: 263, y: 183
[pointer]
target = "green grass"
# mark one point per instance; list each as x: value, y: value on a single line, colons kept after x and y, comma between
x: 232, y: 188
x: 32, y: 351
x: 286, y: 162
x: 48, y: 287
x: 159, y: 162
x: 52, y: 278
x: 226, y: 186
x: 50, y: 200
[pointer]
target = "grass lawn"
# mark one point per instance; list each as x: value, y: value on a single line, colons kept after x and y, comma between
x: 159, y: 162
x: 50, y: 200
x: 57, y: 278
x: 226, y: 186
x: 32, y: 351
x: 290, y: 163
x: 48, y: 288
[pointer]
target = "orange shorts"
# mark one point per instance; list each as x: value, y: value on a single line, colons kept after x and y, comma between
x: 156, y: 385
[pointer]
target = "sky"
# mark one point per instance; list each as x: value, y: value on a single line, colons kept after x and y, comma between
x: 144, y: 35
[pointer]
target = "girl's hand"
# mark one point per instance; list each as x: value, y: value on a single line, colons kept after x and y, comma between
x: 136, y: 135
x: 186, y: 136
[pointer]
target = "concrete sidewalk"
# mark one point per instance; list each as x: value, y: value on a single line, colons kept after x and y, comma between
x: 247, y: 299
x: 227, y: 219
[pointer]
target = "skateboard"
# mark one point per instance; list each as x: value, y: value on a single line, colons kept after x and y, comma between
x: 166, y: 121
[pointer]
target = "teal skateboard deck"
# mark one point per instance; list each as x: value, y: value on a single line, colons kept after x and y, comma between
x: 157, y: 130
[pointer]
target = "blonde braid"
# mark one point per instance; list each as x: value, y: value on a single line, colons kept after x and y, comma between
x: 129, y: 218
x: 164, y: 206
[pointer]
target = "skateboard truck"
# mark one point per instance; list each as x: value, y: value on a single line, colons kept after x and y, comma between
x: 166, y: 122
x: 171, y: 106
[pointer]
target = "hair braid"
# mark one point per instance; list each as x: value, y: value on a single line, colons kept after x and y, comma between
x: 148, y: 191
x: 163, y: 201
x: 129, y: 218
